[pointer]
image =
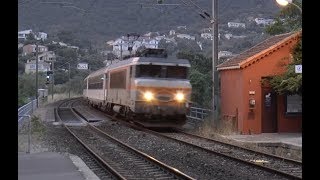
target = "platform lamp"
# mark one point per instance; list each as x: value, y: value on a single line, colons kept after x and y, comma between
x: 286, y: 2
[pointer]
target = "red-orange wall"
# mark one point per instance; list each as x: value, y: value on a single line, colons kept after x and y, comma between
x: 231, y: 94
x: 287, y: 123
x: 236, y: 84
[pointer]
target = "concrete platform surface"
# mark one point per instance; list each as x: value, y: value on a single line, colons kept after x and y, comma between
x: 293, y: 139
x: 47, y: 165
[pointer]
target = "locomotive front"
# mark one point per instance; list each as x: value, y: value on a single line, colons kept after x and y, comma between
x: 162, y: 90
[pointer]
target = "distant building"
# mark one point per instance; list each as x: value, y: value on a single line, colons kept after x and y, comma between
x: 224, y: 54
x: 170, y: 40
x: 30, y: 66
x: 74, y: 47
x: 20, y: 45
x: 23, y: 34
x: 228, y: 36
x: 186, y: 36
x: 159, y: 38
x: 236, y: 25
x: 121, y: 45
x: 41, y: 36
x: 31, y: 48
x: 182, y: 27
x: 147, y: 34
x: 62, y: 44
x: 207, y: 36
x: 172, y: 32
x: 264, y: 22
x: 47, y: 56
x: 239, y: 37
x: 110, y: 43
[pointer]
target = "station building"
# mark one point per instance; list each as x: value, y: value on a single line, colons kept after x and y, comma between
x: 253, y: 106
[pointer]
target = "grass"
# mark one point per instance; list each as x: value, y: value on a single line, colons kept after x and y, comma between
x: 226, y: 127
x: 37, y: 126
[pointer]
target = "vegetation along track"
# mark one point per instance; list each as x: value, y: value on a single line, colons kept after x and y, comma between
x: 275, y: 164
x: 122, y: 161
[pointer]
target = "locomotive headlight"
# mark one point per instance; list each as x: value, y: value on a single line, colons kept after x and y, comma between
x: 148, y: 96
x: 179, y: 97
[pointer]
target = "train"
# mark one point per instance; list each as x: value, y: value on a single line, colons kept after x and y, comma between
x: 149, y: 88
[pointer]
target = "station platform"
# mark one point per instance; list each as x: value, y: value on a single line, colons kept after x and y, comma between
x: 49, y: 166
x: 292, y: 140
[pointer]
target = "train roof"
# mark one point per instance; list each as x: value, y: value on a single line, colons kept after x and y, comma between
x: 169, y: 61
x: 152, y: 61
x: 97, y: 72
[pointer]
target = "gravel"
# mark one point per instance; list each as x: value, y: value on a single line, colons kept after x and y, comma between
x: 195, y: 163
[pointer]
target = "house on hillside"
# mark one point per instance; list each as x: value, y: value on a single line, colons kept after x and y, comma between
x: 224, y: 54
x: 122, y: 47
x: 186, y: 36
x: 20, y: 45
x: 263, y: 21
x: 41, y: 36
x: 207, y: 36
x: 30, y: 66
x: 31, y: 48
x: 251, y: 105
x: 47, y: 56
x: 172, y: 32
x: 23, y: 34
x: 236, y: 25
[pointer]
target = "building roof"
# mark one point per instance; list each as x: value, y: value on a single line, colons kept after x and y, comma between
x: 257, y: 50
x: 25, y: 31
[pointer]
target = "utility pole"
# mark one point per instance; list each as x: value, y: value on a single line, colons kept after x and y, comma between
x: 131, y: 38
x: 37, y: 74
x: 215, y: 80
x: 52, y: 80
x: 69, y: 80
x: 121, y: 50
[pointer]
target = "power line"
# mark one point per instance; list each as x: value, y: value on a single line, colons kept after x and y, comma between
x: 201, y: 13
x: 207, y: 14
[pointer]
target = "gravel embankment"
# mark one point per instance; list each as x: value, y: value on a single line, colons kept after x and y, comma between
x: 195, y: 163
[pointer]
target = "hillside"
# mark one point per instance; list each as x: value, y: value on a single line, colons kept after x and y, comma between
x: 100, y: 20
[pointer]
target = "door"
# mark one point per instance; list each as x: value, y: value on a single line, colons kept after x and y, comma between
x: 269, y: 111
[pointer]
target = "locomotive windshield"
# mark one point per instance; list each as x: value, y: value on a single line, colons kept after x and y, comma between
x: 158, y: 71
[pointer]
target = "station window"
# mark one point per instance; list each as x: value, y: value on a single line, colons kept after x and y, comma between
x: 293, y: 104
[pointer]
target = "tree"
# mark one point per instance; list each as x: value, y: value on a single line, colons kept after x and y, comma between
x: 200, y: 77
x: 289, y: 19
x: 290, y: 82
x: 27, y: 86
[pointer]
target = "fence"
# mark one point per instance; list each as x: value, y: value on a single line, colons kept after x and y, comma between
x: 26, y: 109
x: 198, y: 113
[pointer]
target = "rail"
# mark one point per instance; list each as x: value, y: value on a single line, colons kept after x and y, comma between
x: 26, y: 109
x: 198, y: 113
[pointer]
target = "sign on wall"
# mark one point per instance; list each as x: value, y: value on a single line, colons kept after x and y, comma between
x: 82, y: 66
x: 298, y: 68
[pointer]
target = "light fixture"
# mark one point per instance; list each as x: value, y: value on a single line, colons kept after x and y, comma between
x: 284, y: 2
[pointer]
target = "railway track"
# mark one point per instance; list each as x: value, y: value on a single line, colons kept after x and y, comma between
x: 121, y: 160
x: 279, y: 165
x: 275, y: 164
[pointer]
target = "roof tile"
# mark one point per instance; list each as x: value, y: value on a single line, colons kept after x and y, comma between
x: 235, y: 61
